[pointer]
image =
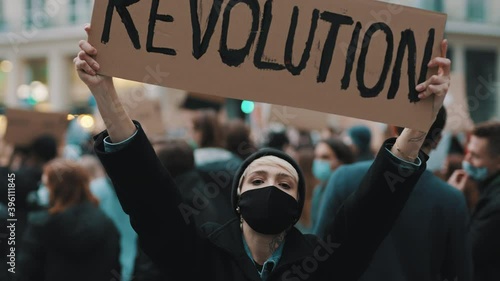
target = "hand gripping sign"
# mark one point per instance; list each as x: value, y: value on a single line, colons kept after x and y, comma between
x: 358, y: 58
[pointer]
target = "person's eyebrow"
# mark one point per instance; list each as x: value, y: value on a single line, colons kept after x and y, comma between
x: 285, y: 175
x: 259, y: 172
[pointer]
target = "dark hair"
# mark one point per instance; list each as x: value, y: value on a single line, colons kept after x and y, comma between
x: 305, y: 161
x: 342, y: 151
x: 277, y: 140
x: 238, y: 138
x: 177, y: 156
x: 44, y: 148
x: 207, y: 123
x: 435, y: 131
x: 68, y: 184
x: 491, y: 131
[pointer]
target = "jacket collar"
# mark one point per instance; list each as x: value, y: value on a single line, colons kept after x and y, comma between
x: 229, y: 238
x: 488, y: 186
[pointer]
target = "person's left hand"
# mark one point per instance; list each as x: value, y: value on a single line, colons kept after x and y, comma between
x: 437, y: 84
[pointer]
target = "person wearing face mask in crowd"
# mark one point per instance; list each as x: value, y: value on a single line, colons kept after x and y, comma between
x: 329, y: 154
x: 359, y: 139
x: 438, y: 251
x: 268, y: 193
x: 481, y: 170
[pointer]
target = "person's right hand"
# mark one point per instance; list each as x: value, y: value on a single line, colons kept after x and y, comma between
x: 87, y: 67
x: 459, y: 179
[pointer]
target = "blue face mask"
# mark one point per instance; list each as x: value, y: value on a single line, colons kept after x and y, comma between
x: 321, y: 169
x: 477, y: 174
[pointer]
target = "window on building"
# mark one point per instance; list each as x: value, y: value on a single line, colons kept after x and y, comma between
x: 2, y: 17
x: 80, y: 11
x: 482, y: 89
x: 435, y: 5
x: 476, y: 10
x: 35, y: 14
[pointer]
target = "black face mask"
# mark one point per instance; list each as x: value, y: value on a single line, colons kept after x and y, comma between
x: 268, y: 210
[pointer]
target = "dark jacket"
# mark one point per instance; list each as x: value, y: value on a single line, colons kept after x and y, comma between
x: 217, y: 167
x: 203, y: 199
x: 80, y: 243
x: 148, y: 194
x: 196, y: 209
x: 429, y: 239
x: 26, y: 181
x: 485, y: 232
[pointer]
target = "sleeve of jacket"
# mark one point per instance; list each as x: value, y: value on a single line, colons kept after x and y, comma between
x: 458, y: 259
x: 367, y: 216
x: 484, y: 235
x: 148, y: 194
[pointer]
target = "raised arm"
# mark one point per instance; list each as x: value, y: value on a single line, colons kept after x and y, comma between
x: 146, y: 190
x: 367, y: 216
x: 410, y: 141
x: 118, y: 123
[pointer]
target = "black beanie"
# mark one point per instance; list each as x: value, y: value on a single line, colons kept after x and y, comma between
x: 269, y: 152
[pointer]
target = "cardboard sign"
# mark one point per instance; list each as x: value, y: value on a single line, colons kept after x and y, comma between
x: 297, y: 117
x: 148, y: 112
x: 351, y: 57
x: 24, y: 126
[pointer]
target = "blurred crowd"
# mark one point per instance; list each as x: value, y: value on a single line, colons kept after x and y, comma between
x: 71, y: 226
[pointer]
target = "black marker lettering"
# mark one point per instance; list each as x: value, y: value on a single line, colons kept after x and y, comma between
x: 235, y: 57
x: 261, y: 44
x: 121, y: 8
x: 425, y: 61
x: 351, y: 55
x: 407, y: 40
x: 153, y: 17
x: 200, y: 46
x: 326, y: 57
x: 295, y: 70
x: 373, y: 92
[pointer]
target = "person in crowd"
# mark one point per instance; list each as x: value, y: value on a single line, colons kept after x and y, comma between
x: 277, y: 139
x: 102, y: 188
x: 267, y: 198
x: 28, y: 176
x: 204, y: 201
x: 305, y: 161
x: 329, y: 154
x: 216, y: 164
x: 238, y: 139
x: 329, y: 132
x: 429, y: 239
x: 359, y: 138
x: 73, y: 239
x: 4, y: 215
x: 198, y: 205
x: 481, y: 170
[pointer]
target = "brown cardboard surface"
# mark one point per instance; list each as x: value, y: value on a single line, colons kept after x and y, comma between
x: 297, y: 117
x: 148, y: 112
x: 167, y: 27
x: 24, y: 126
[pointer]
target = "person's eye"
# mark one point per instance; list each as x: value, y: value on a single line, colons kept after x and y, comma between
x: 285, y: 185
x: 257, y: 182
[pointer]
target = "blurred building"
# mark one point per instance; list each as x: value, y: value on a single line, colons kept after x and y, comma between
x: 39, y: 39
x: 473, y: 32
